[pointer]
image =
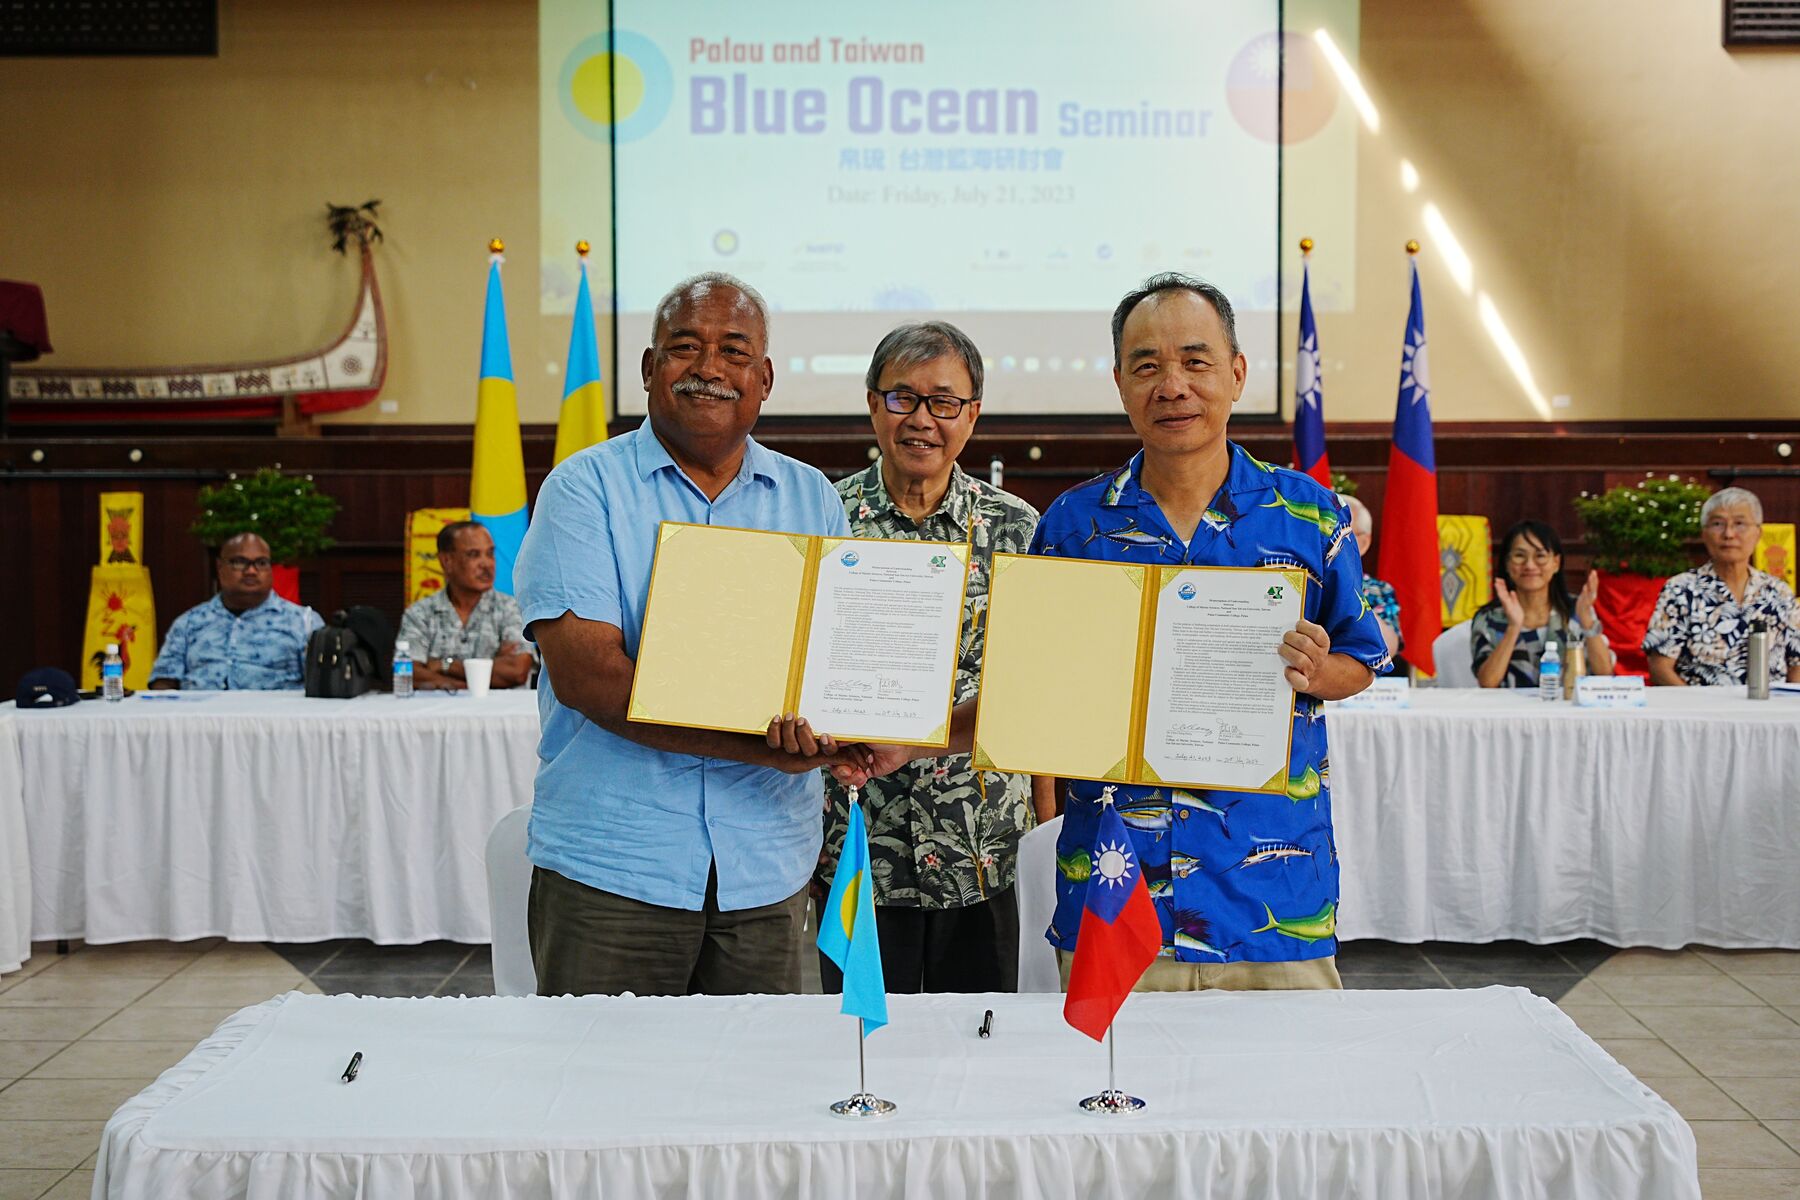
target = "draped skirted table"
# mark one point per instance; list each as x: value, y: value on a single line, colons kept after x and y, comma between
x: 1478, y: 815
x: 266, y: 816
x: 1469, y: 817
x: 1480, y: 1093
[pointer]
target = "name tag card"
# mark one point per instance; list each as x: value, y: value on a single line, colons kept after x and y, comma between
x: 1389, y: 691
x: 1609, y: 691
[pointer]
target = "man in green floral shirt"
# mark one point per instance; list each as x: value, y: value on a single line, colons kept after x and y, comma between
x: 943, y: 852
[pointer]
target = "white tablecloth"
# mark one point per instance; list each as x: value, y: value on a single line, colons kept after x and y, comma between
x: 15, y: 857
x: 1478, y: 815
x: 269, y: 816
x: 1473, y: 1094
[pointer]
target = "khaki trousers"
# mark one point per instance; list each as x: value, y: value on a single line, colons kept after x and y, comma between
x: 1167, y: 975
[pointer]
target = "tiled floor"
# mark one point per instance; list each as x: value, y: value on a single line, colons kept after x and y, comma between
x: 1717, y: 1033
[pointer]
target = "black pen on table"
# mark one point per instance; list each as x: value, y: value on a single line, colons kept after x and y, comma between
x: 350, y: 1071
x: 987, y: 1024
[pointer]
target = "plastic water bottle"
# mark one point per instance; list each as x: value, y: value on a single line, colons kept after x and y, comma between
x: 112, y: 673
x: 1550, y: 673
x: 403, y: 665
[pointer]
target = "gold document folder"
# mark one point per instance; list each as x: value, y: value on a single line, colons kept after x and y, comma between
x: 1065, y: 680
x: 726, y: 628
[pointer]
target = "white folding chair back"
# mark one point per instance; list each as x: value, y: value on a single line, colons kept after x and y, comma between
x: 1037, y: 904
x: 509, y: 890
x: 1451, y: 653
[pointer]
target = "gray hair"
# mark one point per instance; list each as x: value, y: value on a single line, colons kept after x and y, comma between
x: 1731, y: 497
x: 912, y: 345
x: 1361, y: 520
x: 696, y: 286
x: 1174, y: 281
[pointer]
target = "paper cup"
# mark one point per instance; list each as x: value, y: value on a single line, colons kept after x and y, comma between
x: 480, y: 673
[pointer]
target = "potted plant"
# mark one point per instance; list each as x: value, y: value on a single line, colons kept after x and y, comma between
x: 287, y: 512
x: 1639, y: 534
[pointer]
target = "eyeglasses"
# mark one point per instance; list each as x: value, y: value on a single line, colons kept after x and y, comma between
x: 1540, y: 557
x: 944, y: 408
x: 1720, y: 525
x: 240, y: 563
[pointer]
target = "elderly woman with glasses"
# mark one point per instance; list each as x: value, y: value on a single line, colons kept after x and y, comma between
x: 1532, y: 607
x: 1699, y: 633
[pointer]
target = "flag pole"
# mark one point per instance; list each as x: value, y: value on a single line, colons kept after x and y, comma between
x: 864, y: 1103
x: 1112, y: 1102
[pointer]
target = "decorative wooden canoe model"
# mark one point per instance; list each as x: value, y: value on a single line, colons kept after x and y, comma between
x: 346, y: 374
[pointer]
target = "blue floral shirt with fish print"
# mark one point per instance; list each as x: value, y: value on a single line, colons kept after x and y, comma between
x: 1234, y: 876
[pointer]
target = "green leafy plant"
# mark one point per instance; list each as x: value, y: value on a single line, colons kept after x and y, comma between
x: 1342, y: 484
x: 286, y: 511
x: 1643, y: 527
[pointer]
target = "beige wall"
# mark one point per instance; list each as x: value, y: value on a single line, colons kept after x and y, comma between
x: 1624, y: 188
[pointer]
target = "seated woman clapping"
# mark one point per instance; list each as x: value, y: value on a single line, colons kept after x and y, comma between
x: 1532, y: 606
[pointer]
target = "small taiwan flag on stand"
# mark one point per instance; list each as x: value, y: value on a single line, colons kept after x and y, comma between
x: 1120, y: 937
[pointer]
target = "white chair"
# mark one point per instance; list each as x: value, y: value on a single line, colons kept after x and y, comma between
x: 1037, y: 904
x: 509, y: 891
x: 1451, y: 654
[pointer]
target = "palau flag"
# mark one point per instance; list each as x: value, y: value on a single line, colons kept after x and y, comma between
x: 1409, y: 508
x: 847, y: 929
x: 497, y: 485
x: 1119, y: 937
x: 1309, y: 392
x: 582, y: 421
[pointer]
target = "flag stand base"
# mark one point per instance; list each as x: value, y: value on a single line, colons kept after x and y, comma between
x: 1113, y: 1103
x: 866, y: 1104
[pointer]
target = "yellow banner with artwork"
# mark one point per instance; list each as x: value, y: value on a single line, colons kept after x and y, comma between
x: 423, y: 574
x: 1775, y: 552
x: 120, y: 609
x: 1465, y: 558
x: 122, y: 527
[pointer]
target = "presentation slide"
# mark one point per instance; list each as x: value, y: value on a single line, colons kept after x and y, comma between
x: 1014, y: 167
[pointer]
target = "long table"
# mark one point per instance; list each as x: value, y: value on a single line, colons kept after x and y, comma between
x: 1480, y: 1093
x: 263, y: 816
x: 1479, y: 815
x: 1469, y: 817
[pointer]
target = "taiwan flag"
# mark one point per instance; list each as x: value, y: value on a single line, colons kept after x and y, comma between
x: 1409, y: 508
x: 1309, y: 393
x: 1120, y: 935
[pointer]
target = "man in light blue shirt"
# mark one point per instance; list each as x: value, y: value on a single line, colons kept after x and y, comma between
x: 668, y: 860
x: 246, y: 638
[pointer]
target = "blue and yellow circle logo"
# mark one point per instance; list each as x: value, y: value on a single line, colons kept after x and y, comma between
x: 631, y: 74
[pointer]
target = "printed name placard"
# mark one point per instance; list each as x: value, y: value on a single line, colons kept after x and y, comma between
x: 1389, y: 691
x: 1609, y: 691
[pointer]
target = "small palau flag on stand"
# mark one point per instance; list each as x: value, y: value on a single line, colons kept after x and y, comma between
x: 497, y: 481
x: 847, y: 929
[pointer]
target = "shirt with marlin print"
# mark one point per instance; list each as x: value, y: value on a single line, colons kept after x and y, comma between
x: 1234, y: 876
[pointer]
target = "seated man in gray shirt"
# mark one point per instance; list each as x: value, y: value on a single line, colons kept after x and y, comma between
x: 467, y: 618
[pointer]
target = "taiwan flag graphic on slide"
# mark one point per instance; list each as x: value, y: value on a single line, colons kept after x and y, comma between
x: 1120, y: 935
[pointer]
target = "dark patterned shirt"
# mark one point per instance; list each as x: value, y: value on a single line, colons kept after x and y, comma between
x: 1234, y: 876
x: 1700, y: 625
x: 934, y: 842
x: 1487, y: 629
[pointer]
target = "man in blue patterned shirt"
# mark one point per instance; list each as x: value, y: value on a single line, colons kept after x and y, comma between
x: 246, y: 638
x: 1245, y: 884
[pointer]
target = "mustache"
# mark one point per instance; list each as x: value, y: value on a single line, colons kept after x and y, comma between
x: 691, y: 386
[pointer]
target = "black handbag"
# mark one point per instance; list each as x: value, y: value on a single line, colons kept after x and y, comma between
x: 352, y: 654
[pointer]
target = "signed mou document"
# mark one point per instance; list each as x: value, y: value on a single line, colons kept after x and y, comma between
x: 859, y: 635
x: 1138, y: 674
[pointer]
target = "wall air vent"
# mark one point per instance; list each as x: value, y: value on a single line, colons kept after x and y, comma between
x: 1762, y: 22
x: 108, y: 28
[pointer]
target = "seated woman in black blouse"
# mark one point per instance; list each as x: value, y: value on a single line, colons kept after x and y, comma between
x: 1531, y: 606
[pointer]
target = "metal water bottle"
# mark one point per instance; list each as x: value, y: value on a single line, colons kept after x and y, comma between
x: 1756, y: 667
